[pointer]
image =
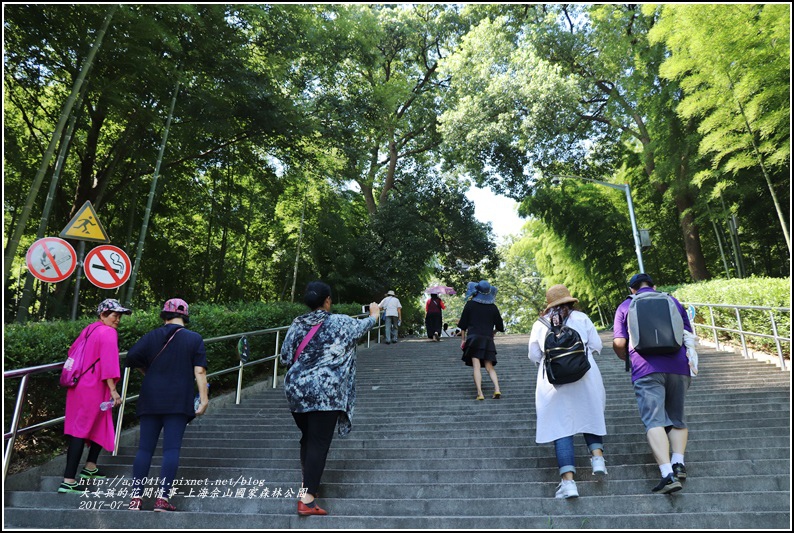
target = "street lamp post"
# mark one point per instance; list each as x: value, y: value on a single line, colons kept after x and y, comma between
x: 626, y: 189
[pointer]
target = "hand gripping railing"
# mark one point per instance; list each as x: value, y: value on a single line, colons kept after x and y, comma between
x: 741, y: 331
x: 25, y: 374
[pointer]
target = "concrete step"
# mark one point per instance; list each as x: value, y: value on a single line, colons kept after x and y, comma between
x: 606, y: 486
x: 618, y: 453
x: 521, y: 518
x: 266, y: 471
x: 543, y: 457
x: 250, y: 502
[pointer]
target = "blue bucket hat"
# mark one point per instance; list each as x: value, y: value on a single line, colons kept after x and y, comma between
x: 483, y: 292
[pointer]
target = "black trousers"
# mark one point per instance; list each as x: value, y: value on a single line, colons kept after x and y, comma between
x: 75, y: 452
x: 317, y: 429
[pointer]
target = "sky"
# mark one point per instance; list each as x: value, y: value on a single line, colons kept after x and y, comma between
x: 500, y: 211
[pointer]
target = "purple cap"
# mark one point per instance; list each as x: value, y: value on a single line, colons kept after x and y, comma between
x: 176, y: 305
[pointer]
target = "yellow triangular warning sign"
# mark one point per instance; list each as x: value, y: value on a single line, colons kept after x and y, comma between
x: 85, y: 226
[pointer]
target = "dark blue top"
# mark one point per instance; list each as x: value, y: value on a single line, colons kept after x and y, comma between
x: 169, y: 384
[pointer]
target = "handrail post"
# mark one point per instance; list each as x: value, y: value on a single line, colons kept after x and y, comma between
x: 124, y: 384
x: 777, y: 341
x: 239, y: 384
x: 275, y: 361
x: 23, y: 387
x: 714, y: 329
x: 741, y: 333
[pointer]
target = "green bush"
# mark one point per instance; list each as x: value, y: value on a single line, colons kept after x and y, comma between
x: 41, y: 343
x: 754, y: 291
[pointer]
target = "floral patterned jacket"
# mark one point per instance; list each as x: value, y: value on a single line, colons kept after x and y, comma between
x: 324, y: 376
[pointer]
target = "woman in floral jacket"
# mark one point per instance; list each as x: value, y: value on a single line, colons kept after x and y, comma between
x: 320, y: 383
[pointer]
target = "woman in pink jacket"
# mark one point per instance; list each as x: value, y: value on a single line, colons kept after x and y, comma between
x: 86, y: 424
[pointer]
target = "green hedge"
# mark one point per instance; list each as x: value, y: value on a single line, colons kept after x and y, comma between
x: 40, y: 343
x: 762, y: 292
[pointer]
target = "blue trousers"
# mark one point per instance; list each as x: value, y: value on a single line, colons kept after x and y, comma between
x: 565, y: 452
x: 173, y: 428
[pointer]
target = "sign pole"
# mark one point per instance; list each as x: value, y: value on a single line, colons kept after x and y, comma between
x: 81, y: 256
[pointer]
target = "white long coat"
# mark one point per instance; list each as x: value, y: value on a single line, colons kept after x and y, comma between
x: 565, y: 410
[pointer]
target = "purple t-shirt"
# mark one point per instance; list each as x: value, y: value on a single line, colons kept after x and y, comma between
x: 642, y: 365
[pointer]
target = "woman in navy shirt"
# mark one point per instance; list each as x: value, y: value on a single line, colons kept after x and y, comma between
x: 171, y: 358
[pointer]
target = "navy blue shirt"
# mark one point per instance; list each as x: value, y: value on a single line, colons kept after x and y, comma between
x: 169, y: 384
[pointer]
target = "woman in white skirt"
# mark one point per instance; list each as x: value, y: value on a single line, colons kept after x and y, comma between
x: 578, y: 407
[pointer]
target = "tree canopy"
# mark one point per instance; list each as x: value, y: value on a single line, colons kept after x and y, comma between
x: 342, y: 138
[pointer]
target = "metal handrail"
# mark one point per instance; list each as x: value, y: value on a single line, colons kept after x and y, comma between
x: 742, y: 333
x: 25, y: 374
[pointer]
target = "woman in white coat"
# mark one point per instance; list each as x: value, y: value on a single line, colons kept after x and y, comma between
x: 578, y: 407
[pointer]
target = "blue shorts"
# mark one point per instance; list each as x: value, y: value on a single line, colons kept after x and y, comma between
x: 660, y: 398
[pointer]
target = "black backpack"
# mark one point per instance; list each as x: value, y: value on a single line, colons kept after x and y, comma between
x: 564, y: 354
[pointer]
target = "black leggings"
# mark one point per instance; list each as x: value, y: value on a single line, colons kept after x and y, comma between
x: 75, y: 452
x: 317, y: 429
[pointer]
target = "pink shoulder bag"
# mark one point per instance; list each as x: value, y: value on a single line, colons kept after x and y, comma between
x: 305, y: 341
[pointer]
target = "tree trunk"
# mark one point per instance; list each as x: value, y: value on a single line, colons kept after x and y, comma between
x: 388, y: 184
x: 694, y: 252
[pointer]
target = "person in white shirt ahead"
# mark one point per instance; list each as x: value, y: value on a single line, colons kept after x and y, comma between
x: 578, y: 407
x: 394, y: 315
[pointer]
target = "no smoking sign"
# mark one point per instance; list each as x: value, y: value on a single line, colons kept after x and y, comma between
x: 107, y: 267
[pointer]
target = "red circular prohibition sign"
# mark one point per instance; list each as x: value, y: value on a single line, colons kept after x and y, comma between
x: 107, y: 267
x: 51, y: 259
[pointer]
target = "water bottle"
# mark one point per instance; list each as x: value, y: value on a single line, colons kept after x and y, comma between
x: 104, y: 406
x: 197, y: 399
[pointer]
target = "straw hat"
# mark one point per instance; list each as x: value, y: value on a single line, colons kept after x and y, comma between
x: 557, y: 295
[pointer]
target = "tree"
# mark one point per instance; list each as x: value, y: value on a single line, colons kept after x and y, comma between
x: 733, y: 64
x: 552, y: 81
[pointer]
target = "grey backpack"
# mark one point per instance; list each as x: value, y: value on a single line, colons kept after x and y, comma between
x: 655, y: 325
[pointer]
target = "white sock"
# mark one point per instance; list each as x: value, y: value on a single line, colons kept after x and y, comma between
x: 678, y: 458
x: 666, y: 469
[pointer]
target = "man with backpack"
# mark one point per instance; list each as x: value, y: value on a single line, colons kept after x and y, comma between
x: 648, y: 329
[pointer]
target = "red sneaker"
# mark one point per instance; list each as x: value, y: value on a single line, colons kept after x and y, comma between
x: 162, y: 505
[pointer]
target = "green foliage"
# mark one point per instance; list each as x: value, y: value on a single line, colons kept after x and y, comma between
x: 522, y: 291
x: 733, y: 63
x: 754, y: 291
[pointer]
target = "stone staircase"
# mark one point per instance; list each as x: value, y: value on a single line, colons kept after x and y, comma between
x: 424, y: 454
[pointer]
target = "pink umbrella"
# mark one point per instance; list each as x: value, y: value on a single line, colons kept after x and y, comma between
x: 440, y: 289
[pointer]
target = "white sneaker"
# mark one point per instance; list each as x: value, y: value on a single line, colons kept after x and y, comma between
x: 599, y: 465
x: 567, y: 489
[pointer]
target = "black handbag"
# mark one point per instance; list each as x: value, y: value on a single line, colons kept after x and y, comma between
x: 564, y: 354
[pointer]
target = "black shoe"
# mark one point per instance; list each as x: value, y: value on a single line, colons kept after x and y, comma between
x: 70, y: 487
x: 92, y: 474
x: 667, y: 485
x: 387, y: 342
x: 679, y: 471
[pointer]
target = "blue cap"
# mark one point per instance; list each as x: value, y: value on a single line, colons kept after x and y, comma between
x: 637, y: 279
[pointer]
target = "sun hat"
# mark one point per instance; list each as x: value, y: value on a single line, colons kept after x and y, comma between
x: 112, y: 305
x: 483, y: 292
x: 558, y: 295
x: 176, y: 305
x: 637, y: 279
x: 390, y: 293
